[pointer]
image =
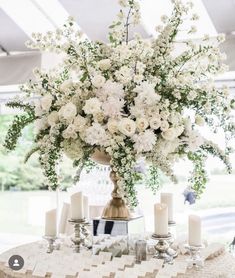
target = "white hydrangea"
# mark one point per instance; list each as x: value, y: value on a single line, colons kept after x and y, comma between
x: 73, y: 149
x: 170, y: 134
x: 145, y: 141
x: 92, y: 106
x: 96, y: 135
x: 112, y: 107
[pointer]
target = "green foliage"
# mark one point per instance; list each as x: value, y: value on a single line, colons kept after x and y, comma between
x: 198, y: 177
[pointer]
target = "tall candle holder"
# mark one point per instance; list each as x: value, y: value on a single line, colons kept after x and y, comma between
x: 81, y: 234
x: 195, y: 259
x: 51, y: 246
x: 162, y: 247
x: 171, y: 251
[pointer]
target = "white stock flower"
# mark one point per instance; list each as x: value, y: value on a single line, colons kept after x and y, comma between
x: 46, y: 102
x: 38, y: 109
x: 144, y: 141
x: 41, y: 124
x: 92, y: 106
x: 68, y: 112
x: 53, y: 118
x: 70, y: 132
x: 104, y: 64
x: 127, y: 127
x: 79, y: 122
x: 141, y: 124
x: 155, y: 122
x: 98, y: 81
x: 96, y: 135
x: 194, y: 140
x: 124, y: 75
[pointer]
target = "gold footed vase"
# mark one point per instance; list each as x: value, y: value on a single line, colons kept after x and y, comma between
x: 116, y: 208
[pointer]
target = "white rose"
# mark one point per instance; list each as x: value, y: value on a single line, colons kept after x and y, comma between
x: 169, y: 134
x: 92, y: 106
x: 164, y: 125
x: 46, y: 102
x: 66, y: 85
x: 199, y: 120
x: 112, y: 126
x: 127, y: 127
x: 53, y: 118
x: 104, y: 64
x: 79, y: 122
x: 155, y: 123
x: 142, y: 124
x: 68, y: 111
x: 98, y: 81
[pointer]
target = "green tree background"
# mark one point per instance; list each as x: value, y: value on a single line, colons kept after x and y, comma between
x: 15, y: 174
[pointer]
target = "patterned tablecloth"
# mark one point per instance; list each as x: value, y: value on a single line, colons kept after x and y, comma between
x: 64, y: 263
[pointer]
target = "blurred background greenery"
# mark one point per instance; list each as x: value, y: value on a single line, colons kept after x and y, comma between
x: 15, y: 174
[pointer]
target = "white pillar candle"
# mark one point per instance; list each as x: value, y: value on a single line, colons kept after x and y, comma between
x: 86, y: 207
x: 64, y: 218
x: 161, y: 219
x: 167, y: 198
x: 50, y: 223
x: 194, y: 230
x: 77, y: 211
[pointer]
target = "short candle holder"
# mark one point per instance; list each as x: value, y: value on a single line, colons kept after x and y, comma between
x: 51, y: 243
x: 171, y: 251
x: 162, y: 248
x: 81, y: 234
x: 195, y: 259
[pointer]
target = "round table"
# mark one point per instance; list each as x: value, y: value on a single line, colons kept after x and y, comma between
x: 64, y: 263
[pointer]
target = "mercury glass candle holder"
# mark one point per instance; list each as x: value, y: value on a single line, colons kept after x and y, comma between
x: 81, y: 234
x: 162, y: 248
x: 51, y: 246
x: 195, y: 260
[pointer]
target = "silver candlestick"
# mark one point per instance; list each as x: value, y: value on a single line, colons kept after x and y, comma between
x: 81, y: 234
x: 162, y: 247
x: 195, y: 259
x: 51, y: 243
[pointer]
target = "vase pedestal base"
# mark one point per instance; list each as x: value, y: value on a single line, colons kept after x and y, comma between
x: 116, y: 209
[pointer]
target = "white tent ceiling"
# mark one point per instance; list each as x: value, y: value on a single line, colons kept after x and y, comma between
x: 18, y: 18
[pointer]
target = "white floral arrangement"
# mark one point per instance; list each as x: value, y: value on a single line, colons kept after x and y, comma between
x: 128, y: 98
